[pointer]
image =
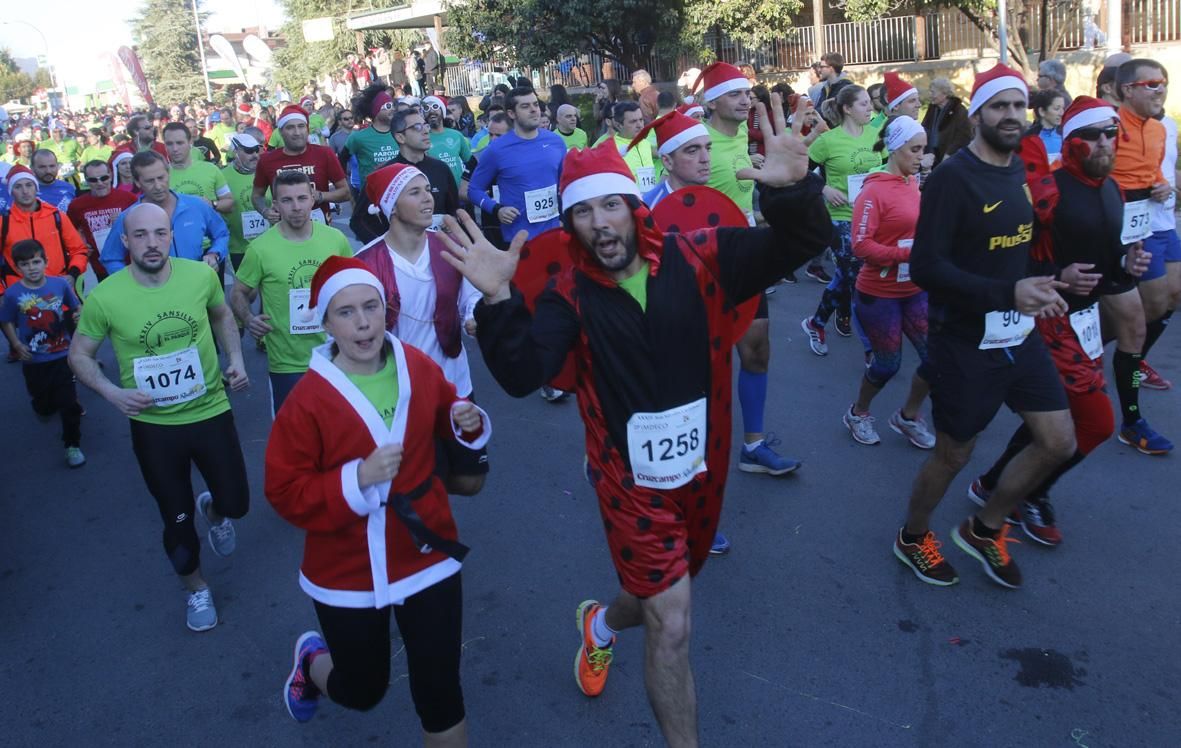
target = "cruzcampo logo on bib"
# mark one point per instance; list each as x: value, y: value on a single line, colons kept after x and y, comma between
x: 168, y: 331
x: 302, y: 320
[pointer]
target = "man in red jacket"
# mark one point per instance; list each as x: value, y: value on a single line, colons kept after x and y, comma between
x: 94, y: 212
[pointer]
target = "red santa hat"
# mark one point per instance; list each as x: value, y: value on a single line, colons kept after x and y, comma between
x: 19, y: 172
x: 691, y: 110
x: 897, y: 90
x: 245, y: 108
x: 673, y: 130
x: 385, y: 185
x: 721, y: 78
x: 588, y: 173
x: 992, y: 82
x: 291, y: 113
x: 336, y: 274
x: 307, y: 101
x: 1086, y: 111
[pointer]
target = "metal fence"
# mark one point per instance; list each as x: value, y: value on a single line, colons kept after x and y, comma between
x: 1149, y: 21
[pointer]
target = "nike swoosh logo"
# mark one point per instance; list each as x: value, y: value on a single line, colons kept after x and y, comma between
x: 991, y: 208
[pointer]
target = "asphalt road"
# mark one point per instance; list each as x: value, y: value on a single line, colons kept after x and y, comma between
x: 809, y: 633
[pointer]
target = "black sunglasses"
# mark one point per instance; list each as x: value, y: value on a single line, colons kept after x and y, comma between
x: 251, y: 151
x: 96, y: 180
x: 1091, y: 134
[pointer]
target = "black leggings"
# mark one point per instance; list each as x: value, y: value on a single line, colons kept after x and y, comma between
x: 431, y: 624
x: 166, y: 455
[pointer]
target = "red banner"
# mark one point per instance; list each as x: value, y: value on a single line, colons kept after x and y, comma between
x: 120, y: 81
x: 131, y: 60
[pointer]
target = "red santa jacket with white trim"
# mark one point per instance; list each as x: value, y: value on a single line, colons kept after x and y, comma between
x: 358, y: 553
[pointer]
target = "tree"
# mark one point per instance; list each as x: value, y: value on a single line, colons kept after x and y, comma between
x: 749, y: 22
x: 14, y: 84
x: 300, y: 60
x: 536, y: 32
x: 166, y: 42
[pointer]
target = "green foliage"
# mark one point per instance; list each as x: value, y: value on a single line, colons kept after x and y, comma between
x: 166, y: 42
x: 751, y: 22
x: 536, y: 32
x: 14, y: 84
x: 301, y: 61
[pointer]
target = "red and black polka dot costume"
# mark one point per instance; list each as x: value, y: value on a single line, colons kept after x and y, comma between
x: 628, y: 360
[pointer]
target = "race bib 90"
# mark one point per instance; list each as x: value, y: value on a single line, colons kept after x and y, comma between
x: 1005, y: 329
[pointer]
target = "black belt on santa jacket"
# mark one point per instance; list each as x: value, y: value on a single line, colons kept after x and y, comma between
x: 424, y: 537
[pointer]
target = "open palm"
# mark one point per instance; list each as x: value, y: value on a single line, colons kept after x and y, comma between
x: 786, y: 159
x: 469, y: 251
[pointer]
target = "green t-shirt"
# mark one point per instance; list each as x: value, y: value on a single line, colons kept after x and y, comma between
x: 644, y: 165
x: 67, y: 151
x: 201, y: 179
x: 241, y: 187
x: 372, y: 149
x: 842, y: 155
x: 282, y: 270
x: 166, y: 329
x: 452, y: 148
x: 729, y: 155
x: 96, y: 152
x: 603, y: 138
x: 576, y: 139
x: 380, y: 389
x: 220, y: 135
x: 637, y: 286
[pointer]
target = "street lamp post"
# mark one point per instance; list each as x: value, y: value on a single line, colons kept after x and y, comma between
x: 48, y: 64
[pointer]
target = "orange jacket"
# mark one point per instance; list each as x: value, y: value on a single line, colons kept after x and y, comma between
x: 64, y: 246
x: 1139, y: 153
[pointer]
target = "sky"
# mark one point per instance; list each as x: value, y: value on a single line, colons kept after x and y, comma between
x: 77, y: 35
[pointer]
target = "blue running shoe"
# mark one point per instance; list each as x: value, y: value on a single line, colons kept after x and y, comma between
x: 1146, y: 441
x: 764, y: 459
x: 721, y: 546
x: 299, y: 693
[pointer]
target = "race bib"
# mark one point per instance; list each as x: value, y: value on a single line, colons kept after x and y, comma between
x: 318, y: 216
x: 100, y: 238
x: 904, y: 267
x: 1086, y: 327
x: 542, y: 205
x: 856, y: 182
x: 496, y: 193
x: 253, y: 224
x: 667, y: 449
x: 646, y: 178
x: 300, y: 319
x: 171, y: 378
x: 1005, y: 329
x: 1137, y: 221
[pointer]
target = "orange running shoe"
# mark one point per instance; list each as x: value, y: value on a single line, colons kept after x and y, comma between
x: 592, y: 661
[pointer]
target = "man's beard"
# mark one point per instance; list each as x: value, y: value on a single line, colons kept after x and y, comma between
x: 150, y: 269
x: 1003, y: 143
x: 1099, y: 164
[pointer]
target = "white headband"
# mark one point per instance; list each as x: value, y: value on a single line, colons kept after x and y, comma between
x: 900, y: 132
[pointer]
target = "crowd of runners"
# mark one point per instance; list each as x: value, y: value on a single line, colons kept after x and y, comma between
x: 622, y: 262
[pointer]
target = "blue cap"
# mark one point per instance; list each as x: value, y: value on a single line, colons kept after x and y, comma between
x: 215, y: 117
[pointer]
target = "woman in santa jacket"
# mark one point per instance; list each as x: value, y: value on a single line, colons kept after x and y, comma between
x: 351, y: 460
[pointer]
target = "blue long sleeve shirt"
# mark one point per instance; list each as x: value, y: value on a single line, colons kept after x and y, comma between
x: 518, y: 166
x: 193, y: 221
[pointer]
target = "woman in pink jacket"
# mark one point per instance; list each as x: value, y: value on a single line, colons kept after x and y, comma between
x: 887, y: 304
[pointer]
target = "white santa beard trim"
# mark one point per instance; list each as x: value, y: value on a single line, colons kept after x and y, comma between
x: 725, y: 87
x: 340, y: 281
x: 597, y: 185
x: 684, y: 136
x: 905, y: 95
x: 1086, y: 118
x: 290, y: 118
x: 994, y: 87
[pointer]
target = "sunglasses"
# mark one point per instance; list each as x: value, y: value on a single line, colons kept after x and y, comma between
x: 251, y: 151
x: 416, y: 127
x: 1091, y: 134
x: 385, y: 106
x: 1156, y: 85
x: 96, y: 180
